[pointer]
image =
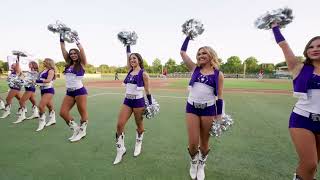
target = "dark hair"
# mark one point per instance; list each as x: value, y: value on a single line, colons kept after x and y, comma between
x: 34, y: 66
x: 139, y: 59
x: 70, y: 62
x: 308, y: 60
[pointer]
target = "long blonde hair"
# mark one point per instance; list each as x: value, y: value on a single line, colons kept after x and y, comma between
x: 214, y: 60
x: 49, y: 63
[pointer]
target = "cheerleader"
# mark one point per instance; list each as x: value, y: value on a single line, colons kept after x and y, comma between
x: 29, y: 94
x: 76, y: 93
x: 14, y: 91
x: 136, y: 81
x: 45, y: 81
x: 304, y: 122
x: 204, y: 104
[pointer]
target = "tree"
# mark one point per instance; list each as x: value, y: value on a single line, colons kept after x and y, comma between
x: 60, y: 66
x: 233, y: 65
x: 268, y: 68
x: 3, y: 66
x: 171, y: 65
x: 156, y: 66
x: 89, y: 68
x: 103, y: 68
x: 251, y: 65
x: 40, y: 64
x: 182, y: 67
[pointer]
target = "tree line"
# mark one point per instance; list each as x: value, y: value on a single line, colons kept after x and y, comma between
x: 233, y: 65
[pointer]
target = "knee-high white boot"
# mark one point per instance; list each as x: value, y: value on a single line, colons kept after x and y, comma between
x: 35, y: 113
x: 52, y: 118
x: 21, y: 116
x: 74, y: 127
x: 42, y: 122
x: 194, y: 162
x: 82, y: 132
x: 201, y: 166
x: 121, y: 149
x: 137, y: 147
x: 2, y: 105
x: 6, y: 112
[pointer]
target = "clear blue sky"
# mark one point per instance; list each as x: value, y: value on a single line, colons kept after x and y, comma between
x: 228, y: 27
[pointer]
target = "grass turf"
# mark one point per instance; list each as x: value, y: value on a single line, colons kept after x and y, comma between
x: 257, y: 147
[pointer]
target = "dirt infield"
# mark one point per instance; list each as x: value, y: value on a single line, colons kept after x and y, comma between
x: 160, y: 84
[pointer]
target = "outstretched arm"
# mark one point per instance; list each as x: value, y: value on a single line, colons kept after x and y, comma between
x: 294, y: 65
x: 82, y: 54
x: 186, y: 59
x: 63, y: 48
x: 128, y: 50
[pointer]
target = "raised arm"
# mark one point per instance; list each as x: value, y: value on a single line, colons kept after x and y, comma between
x: 294, y: 65
x: 128, y: 55
x: 18, y: 68
x: 186, y: 59
x: 82, y: 54
x: 63, y: 48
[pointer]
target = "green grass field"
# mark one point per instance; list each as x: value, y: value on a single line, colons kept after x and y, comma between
x: 257, y: 147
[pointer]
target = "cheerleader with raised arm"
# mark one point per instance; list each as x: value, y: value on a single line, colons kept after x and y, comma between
x: 76, y: 93
x: 136, y: 81
x: 204, y: 104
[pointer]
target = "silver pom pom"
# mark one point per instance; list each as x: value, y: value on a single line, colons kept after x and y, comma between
x: 14, y: 81
x: 69, y: 35
x: 151, y: 110
x: 281, y: 16
x: 219, y: 126
x: 30, y: 79
x: 58, y: 27
x: 192, y: 28
x: 19, y: 53
x: 128, y: 37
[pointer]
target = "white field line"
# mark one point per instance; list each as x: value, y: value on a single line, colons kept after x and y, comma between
x: 109, y: 93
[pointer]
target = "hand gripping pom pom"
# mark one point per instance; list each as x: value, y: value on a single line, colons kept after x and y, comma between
x: 69, y: 35
x: 192, y: 28
x: 128, y: 37
x: 219, y: 126
x: 151, y: 110
x: 282, y: 17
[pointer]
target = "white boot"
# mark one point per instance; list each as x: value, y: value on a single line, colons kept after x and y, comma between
x: 194, y: 162
x: 35, y: 113
x: 137, y: 147
x: 81, y: 133
x: 75, y: 128
x: 20, y: 111
x: 121, y: 149
x: 6, y: 111
x: 52, y: 118
x: 297, y: 177
x: 21, y: 117
x: 201, y: 166
x: 2, y: 105
x: 42, y: 122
